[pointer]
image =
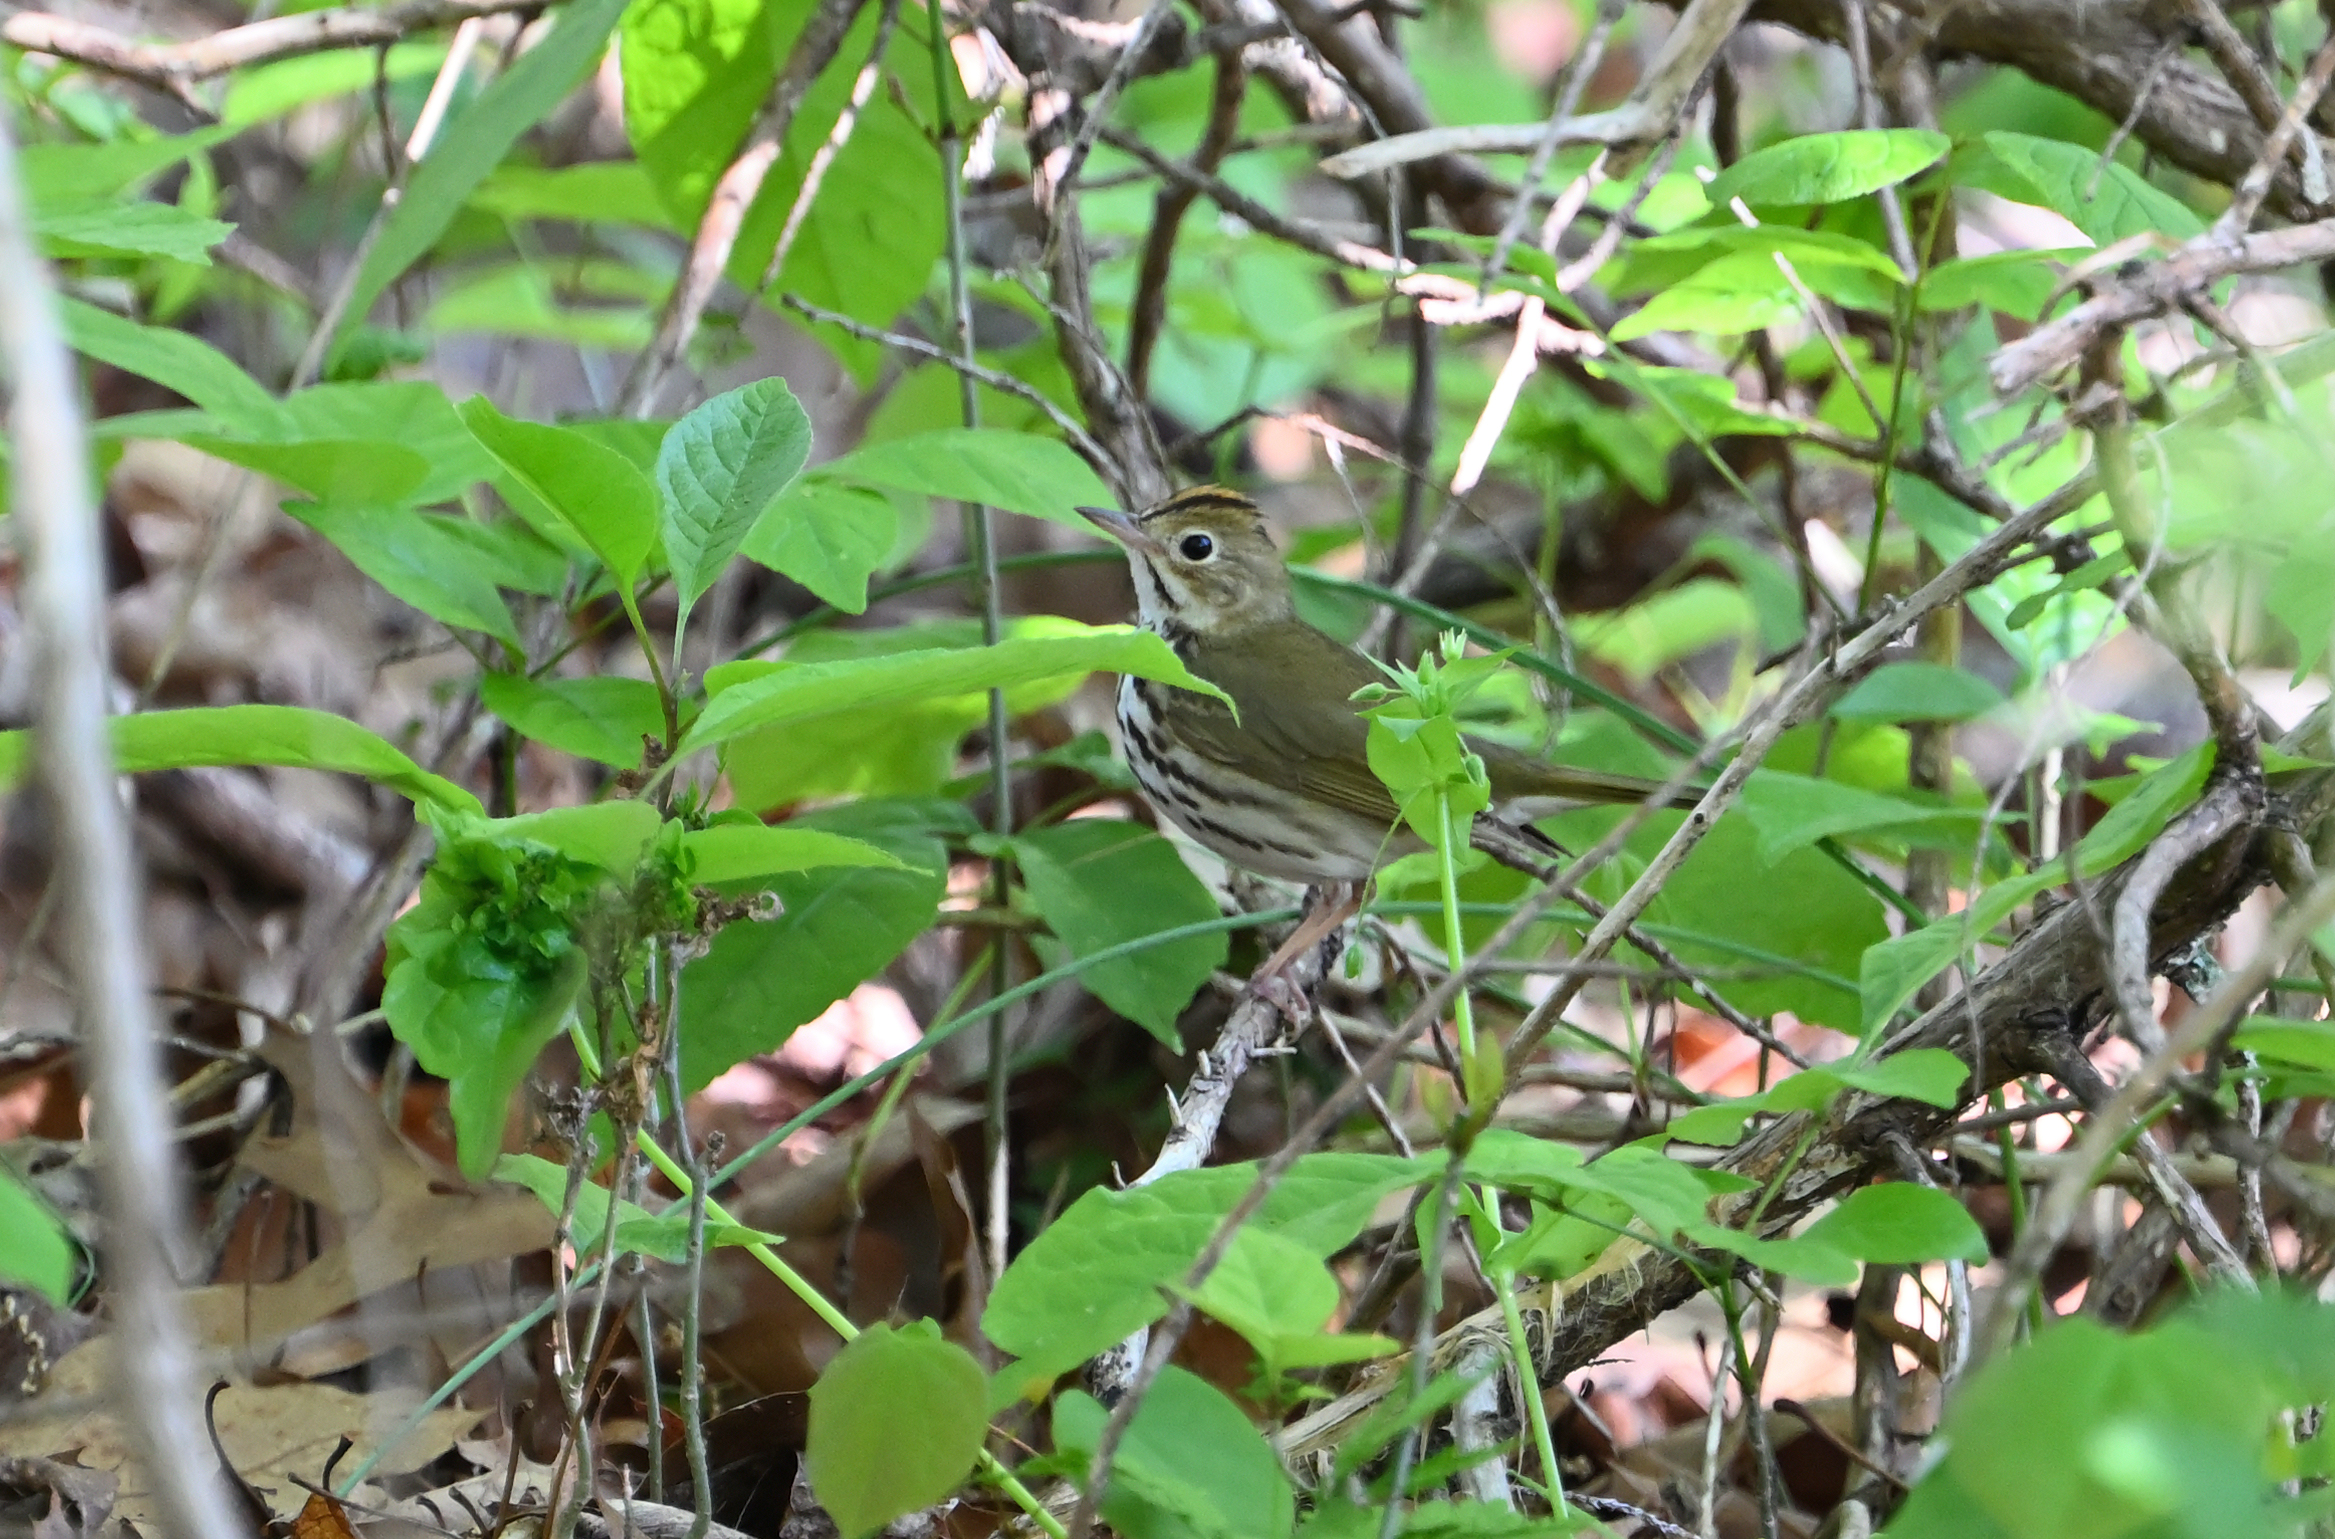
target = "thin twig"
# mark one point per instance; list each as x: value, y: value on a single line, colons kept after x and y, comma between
x: 863, y: 86
x: 62, y: 594
x: 174, y: 66
x: 2055, y: 1215
x: 734, y: 194
x: 1168, y: 208
x: 1089, y: 450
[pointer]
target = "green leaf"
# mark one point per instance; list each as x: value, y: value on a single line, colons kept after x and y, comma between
x: 1916, y: 691
x: 719, y: 470
x: 602, y: 718
x: 1670, y: 625
x: 2310, y: 1043
x: 2060, y: 176
x: 63, y: 173
x: 835, y: 929
x: 738, y: 852
x: 600, y: 191
x: 2088, y: 1433
x: 271, y: 90
x: 826, y: 536
x: 409, y: 413
x: 1828, y: 168
x: 1267, y: 1287
x: 416, y: 559
x: 1930, y: 1075
x: 1100, y: 883
x: 289, y: 736
x: 660, y: 1236
x: 592, y: 488
x: 1823, y: 931
x: 1660, y: 261
x: 473, y: 1018
x: 909, y: 749
x: 35, y: 1250
x: 1020, y: 472
x: 1805, y: 1257
x: 1096, y: 1273
x: 1721, y: 301
x: 611, y: 836
x: 136, y: 228
x: 476, y: 140
x: 1892, y: 971
x: 1927, y: 1074
x: 819, y: 689
x: 1900, y: 1224
x: 491, y: 961
x: 695, y: 74
x: 1792, y: 812
x: 1190, y: 1464
x: 864, y: 1471
x: 330, y: 470
x: 176, y: 360
x: 2017, y: 283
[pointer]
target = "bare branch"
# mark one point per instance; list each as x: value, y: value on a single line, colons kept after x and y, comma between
x: 63, y: 597
x: 733, y: 196
x: 173, y: 66
x: 2157, y: 289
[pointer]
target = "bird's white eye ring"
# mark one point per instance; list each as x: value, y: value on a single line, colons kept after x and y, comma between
x: 1195, y: 547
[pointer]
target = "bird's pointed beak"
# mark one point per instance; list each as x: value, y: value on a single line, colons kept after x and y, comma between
x: 1121, y: 527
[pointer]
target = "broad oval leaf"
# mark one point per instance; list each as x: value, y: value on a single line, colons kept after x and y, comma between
x: 1191, y: 1463
x: 2108, y: 204
x: 474, y: 143
x: 594, y: 489
x: 1100, y: 883
x: 827, y: 536
x: 695, y: 74
x: 864, y: 1470
x: 177, y: 360
x: 1916, y: 691
x: 34, y: 1248
x: 602, y: 718
x: 137, y: 228
x: 1020, y: 472
x: 1829, y: 168
x: 818, y: 689
x: 332, y: 470
x: 289, y: 736
x: 416, y: 559
x: 1095, y: 1273
x: 1900, y: 1224
x: 738, y: 852
x: 835, y: 929
x: 719, y: 469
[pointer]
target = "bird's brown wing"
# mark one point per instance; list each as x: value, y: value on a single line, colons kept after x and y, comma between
x: 1520, y: 777
x: 1299, y: 729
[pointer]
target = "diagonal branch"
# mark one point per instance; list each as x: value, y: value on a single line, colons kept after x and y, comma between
x: 174, y: 66
x: 733, y: 196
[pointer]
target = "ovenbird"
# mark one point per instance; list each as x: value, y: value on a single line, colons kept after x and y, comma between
x: 1286, y: 790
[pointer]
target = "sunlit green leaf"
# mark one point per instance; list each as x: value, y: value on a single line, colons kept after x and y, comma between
x: 1829, y: 168
x: 865, y: 1472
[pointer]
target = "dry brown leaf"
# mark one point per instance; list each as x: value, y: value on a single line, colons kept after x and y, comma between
x: 268, y: 1432
x: 322, y: 1518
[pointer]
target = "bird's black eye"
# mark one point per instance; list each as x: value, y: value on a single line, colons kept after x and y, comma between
x: 1196, y: 547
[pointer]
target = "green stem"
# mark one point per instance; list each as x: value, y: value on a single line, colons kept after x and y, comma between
x: 1454, y: 945
x: 839, y: 1323
x: 1528, y: 1387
